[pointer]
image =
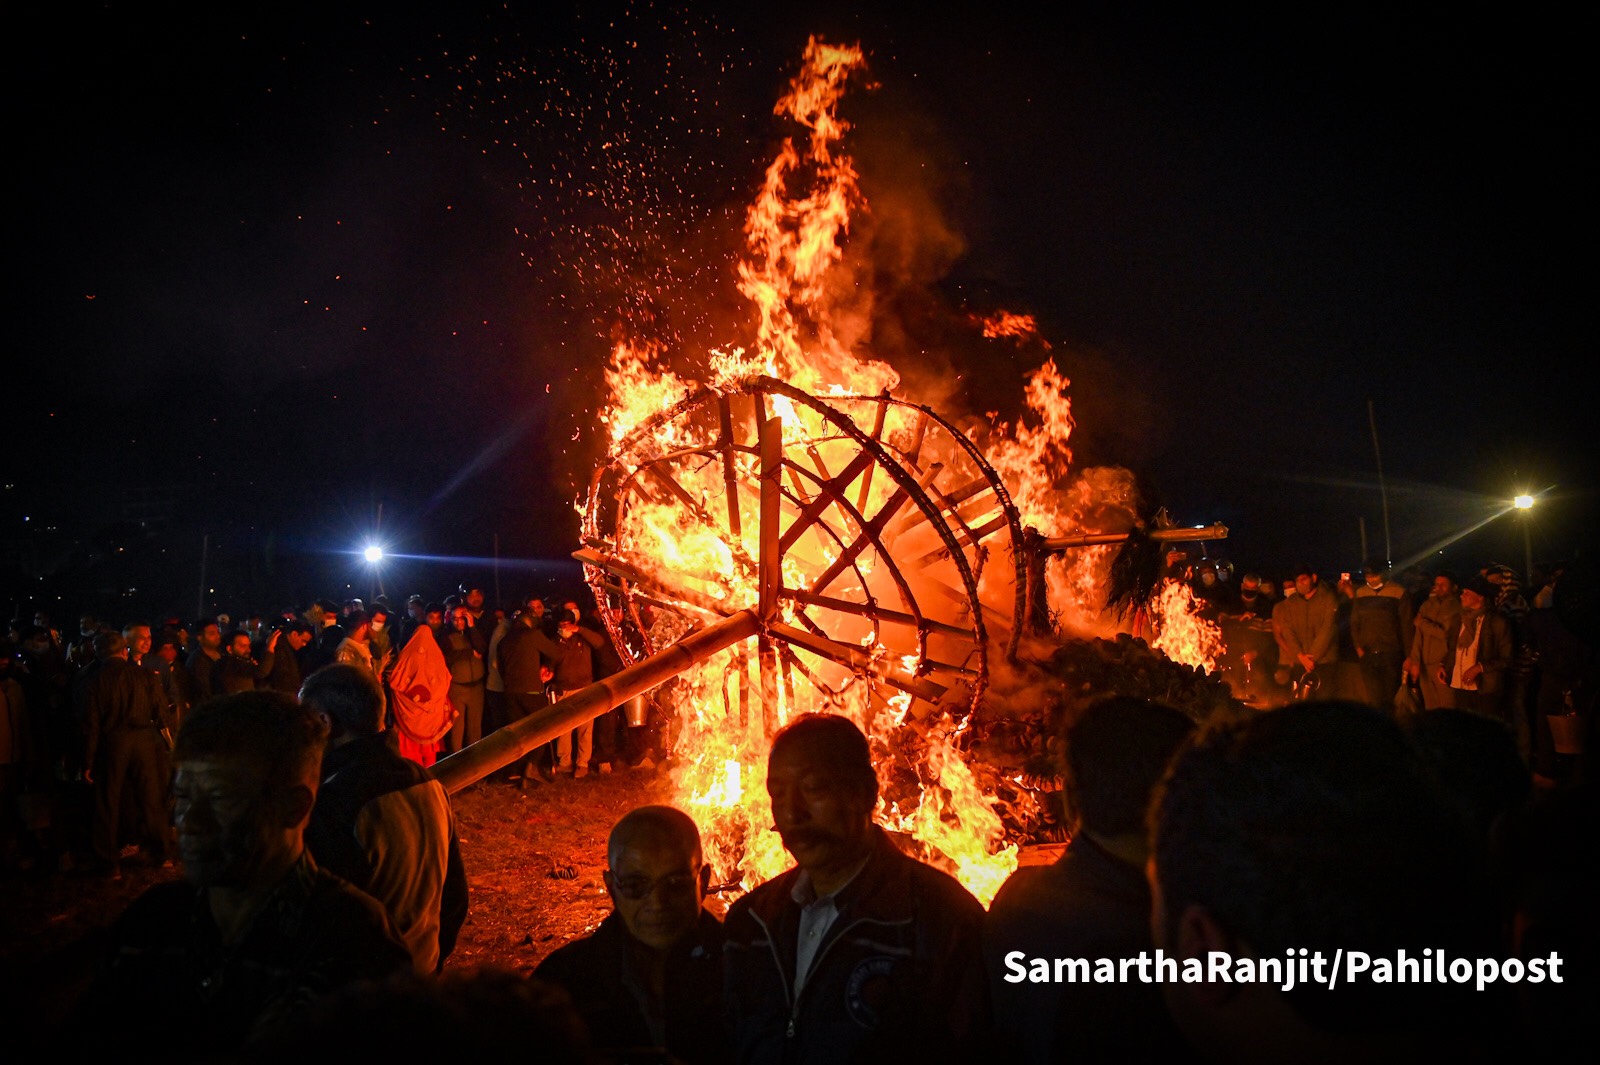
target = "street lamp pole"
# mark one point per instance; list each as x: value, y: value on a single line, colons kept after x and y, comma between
x: 1524, y: 504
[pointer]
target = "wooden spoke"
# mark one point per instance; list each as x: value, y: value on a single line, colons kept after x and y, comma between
x: 829, y: 483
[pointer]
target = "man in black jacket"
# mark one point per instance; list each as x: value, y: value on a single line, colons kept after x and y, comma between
x: 255, y: 932
x: 125, y: 757
x: 281, y: 662
x: 862, y: 953
x: 649, y: 980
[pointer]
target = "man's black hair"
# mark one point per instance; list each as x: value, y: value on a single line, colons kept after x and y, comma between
x: 348, y: 696
x: 266, y: 728
x: 844, y: 747
x: 1315, y: 827
x: 1116, y: 750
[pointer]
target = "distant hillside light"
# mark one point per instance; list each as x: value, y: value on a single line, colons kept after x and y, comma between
x: 1523, y: 502
x: 374, y: 553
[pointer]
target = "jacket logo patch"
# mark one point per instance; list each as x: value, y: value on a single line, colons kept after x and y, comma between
x: 868, y: 990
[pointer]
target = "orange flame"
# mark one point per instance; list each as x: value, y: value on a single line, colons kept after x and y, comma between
x: 1181, y: 633
x: 725, y: 710
x: 724, y: 713
x: 1009, y: 324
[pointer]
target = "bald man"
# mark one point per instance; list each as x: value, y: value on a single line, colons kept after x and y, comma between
x: 650, y: 977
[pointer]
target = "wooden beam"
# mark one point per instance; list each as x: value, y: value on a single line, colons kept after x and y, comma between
x: 769, y: 564
x: 877, y: 435
x: 857, y: 658
x: 683, y: 596
x: 730, y: 472
x: 1218, y: 531
x: 874, y: 613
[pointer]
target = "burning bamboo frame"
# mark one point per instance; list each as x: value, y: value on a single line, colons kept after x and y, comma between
x: 791, y: 480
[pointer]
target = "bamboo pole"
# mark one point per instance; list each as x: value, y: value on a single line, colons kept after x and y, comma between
x: 1218, y: 531
x: 950, y: 501
x: 505, y: 745
x: 877, y: 435
x: 769, y: 566
x: 684, y: 597
x: 941, y: 552
x: 855, y: 658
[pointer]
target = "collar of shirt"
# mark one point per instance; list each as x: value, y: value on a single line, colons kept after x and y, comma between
x: 817, y: 916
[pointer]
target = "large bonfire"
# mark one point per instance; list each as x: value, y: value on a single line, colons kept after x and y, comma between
x: 796, y: 477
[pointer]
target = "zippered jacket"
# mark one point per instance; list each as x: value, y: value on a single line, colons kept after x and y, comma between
x: 899, y: 977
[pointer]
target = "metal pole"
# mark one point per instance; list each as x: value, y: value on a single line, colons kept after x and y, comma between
x: 377, y: 538
x: 200, y: 598
x: 1383, y: 491
x: 511, y: 742
x: 1527, y: 553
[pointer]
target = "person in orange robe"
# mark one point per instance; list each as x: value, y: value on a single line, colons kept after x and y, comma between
x: 420, y: 684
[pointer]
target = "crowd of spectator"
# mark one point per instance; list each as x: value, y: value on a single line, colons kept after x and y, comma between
x: 1482, y: 640
x: 1382, y: 803
x: 90, y: 716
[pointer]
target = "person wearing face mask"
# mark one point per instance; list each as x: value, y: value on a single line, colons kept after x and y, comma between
x: 1381, y: 631
x: 356, y: 648
x: 1212, y: 592
x: 468, y: 673
x: 379, y: 638
x: 1432, y: 627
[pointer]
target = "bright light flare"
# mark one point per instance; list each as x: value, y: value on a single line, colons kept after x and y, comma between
x: 373, y: 554
x: 1522, y: 502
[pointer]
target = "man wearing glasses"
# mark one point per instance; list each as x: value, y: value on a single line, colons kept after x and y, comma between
x: 648, y: 982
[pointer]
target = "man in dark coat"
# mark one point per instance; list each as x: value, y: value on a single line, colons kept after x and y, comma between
x: 1092, y: 902
x: 202, y: 661
x: 649, y: 980
x: 860, y: 953
x: 281, y: 659
x: 125, y: 756
x: 1479, y: 653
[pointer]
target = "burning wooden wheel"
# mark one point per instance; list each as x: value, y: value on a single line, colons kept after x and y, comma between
x: 859, y: 528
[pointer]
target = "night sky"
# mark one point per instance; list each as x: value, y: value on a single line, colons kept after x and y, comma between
x: 286, y: 278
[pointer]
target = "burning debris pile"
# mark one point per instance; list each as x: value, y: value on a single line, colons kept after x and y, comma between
x: 1017, y: 738
x: 885, y: 556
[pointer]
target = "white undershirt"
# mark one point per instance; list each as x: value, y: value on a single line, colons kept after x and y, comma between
x: 817, y: 915
x: 1466, y: 658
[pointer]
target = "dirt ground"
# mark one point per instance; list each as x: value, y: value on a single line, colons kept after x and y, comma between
x: 534, y: 859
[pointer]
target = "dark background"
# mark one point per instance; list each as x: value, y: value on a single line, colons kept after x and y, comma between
x: 289, y: 279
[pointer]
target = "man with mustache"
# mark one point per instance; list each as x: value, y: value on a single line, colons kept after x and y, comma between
x: 860, y: 953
